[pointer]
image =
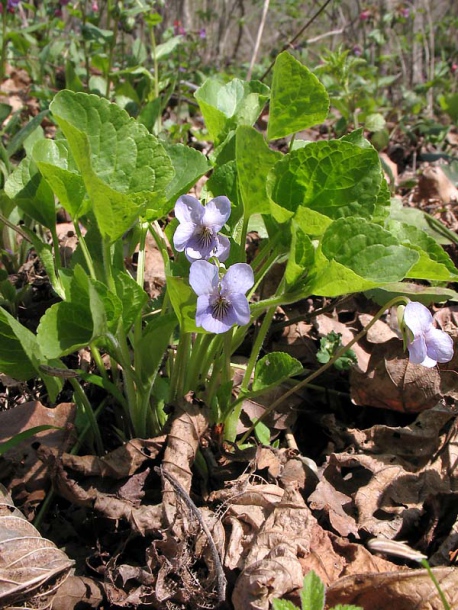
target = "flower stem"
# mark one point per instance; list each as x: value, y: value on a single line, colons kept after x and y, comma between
x: 177, y: 382
x: 396, y: 300
x: 85, y: 249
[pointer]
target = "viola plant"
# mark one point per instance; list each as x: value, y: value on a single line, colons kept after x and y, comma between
x: 323, y: 209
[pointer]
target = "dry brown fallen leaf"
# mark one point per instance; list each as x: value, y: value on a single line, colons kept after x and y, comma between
x: 78, y: 591
x: 28, y: 478
x: 387, y: 492
x: 391, y: 382
x: 434, y: 184
x: 403, y: 590
x: 31, y: 567
x: 416, y: 441
x: 187, y: 426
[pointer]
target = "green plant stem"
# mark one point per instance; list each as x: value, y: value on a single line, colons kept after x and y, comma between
x: 256, y: 349
x: 426, y: 565
x: 260, y: 337
x: 106, y: 251
x: 215, y: 377
x: 84, y: 403
x: 131, y: 382
x: 56, y: 247
x: 200, y: 349
x: 158, y: 236
x: 227, y: 355
x: 84, y: 248
x: 15, y: 228
x: 262, y: 271
x: 85, y: 44
x: 230, y: 424
x: 99, y: 363
x: 395, y: 301
x: 177, y: 382
x: 138, y: 326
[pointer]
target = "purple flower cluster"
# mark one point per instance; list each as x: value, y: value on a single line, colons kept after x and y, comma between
x: 427, y: 344
x: 221, y: 300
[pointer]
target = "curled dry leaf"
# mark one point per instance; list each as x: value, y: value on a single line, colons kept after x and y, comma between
x: 31, y: 567
x: 273, y: 565
x: 387, y: 495
x: 92, y: 493
x: 122, y: 462
x: 403, y: 590
x: 417, y: 441
x: 29, y: 478
x: 332, y: 502
x: 189, y: 423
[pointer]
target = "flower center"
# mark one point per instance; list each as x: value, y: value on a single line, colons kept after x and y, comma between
x: 220, y: 307
x: 205, y: 236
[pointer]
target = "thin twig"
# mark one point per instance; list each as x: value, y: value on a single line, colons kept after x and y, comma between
x: 298, y: 35
x: 180, y: 491
x: 258, y: 38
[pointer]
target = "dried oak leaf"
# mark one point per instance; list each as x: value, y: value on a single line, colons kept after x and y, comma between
x: 31, y: 567
x: 403, y: 590
x: 417, y: 441
x: 328, y: 499
x: 273, y: 564
x: 387, y: 495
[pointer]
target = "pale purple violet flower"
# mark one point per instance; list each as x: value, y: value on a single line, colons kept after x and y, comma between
x: 197, y: 234
x: 427, y: 344
x: 221, y: 302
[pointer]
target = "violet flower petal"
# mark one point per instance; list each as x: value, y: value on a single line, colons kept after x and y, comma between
x: 427, y: 344
x: 188, y: 209
x: 222, y: 249
x: 221, y: 303
x: 216, y: 213
x: 417, y: 317
x: 205, y: 316
x: 183, y: 233
x: 238, y: 279
x: 417, y: 350
x: 241, y: 309
x: 203, y: 278
x: 439, y: 345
